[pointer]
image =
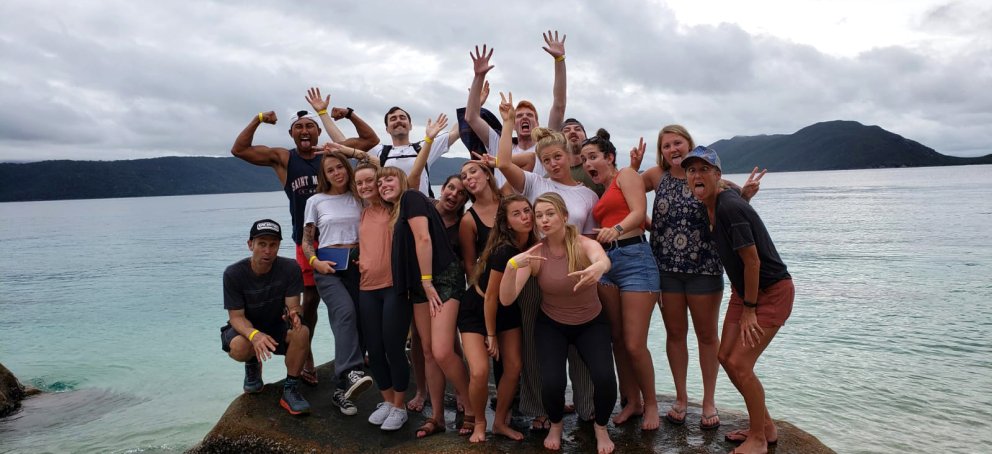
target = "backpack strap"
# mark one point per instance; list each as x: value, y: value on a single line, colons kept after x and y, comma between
x: 384, y: 156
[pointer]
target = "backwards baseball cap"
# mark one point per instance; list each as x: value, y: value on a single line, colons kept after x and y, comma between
x: 572, y: 121
x: 706, y: 154
x: 265, y: 227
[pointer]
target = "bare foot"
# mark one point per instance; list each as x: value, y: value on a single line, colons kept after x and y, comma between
x: 632, y: 409
x: 553, y: 440
x: 479, y: 433
x: 507, y: 431
x: 650, y: 419
x: 416, y: 404
x: 603, y: 443
x: 752, y: 446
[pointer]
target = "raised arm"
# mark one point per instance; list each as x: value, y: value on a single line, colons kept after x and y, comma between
x: 504, y: 159
x: 557, y: 50
x: 473, y: 107
x: 367, y: 138
x: 433, y: 129
x: 651, y: 177
x: 320, y: 106
x: 261, y: 155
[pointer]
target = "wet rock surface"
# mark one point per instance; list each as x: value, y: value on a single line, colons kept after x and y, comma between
x: 11, y: 392
x: 256, y: 423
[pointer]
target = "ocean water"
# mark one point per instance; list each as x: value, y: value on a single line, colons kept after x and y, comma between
x: 115, y: 305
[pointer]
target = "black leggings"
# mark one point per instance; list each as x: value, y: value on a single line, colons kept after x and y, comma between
x: 385, y: 319
x: 593, y: 342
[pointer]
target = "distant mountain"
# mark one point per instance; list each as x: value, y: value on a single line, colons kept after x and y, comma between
x: 58, y: 180
x: 831, y: 145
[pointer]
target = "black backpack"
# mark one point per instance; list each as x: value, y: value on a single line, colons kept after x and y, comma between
x: 384, y: 156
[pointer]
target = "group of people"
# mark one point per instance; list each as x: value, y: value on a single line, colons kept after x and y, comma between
x: 548, y: 276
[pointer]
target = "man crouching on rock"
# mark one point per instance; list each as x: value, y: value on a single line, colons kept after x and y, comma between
x: 262, y: 298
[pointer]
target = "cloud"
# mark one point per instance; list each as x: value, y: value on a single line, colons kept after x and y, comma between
x: 117, y: 79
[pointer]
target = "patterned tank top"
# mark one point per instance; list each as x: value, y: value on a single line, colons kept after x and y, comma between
x: 680, y: 235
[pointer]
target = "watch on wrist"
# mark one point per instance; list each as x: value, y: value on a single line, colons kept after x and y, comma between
x: 618, y: 228
x: 348, y: 115
x: 750, y: 304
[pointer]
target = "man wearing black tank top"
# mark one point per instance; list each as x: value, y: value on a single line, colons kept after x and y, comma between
x: 297, y: 171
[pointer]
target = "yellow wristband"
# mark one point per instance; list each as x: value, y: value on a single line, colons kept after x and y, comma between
x: 496, y: 161
x: 312, y: 259
x: 560, y: 58
x: 428, y: 139
x: 426, y: 277
x: 513, y: 263
x: 260, y: 118
x: 252, y: 335
x: 322, y: 112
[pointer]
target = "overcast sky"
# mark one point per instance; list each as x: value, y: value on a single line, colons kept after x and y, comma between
x: 126, y: 79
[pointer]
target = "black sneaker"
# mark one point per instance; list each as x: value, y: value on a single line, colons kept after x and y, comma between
x: 342, y: 402
x: 356, y: 382
x: 253, y: 377
x: 292, y: 400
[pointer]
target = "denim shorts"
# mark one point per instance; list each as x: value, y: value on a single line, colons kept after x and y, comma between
x: 691, y: 283
x: 633, y: 269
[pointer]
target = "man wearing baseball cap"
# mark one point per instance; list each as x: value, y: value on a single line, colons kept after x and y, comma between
x: 262, y: 298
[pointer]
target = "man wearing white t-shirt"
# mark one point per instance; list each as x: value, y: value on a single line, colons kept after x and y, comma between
x: 402, y: 153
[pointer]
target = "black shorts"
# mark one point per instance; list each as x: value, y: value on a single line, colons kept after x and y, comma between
x: 449, y: 283
x: 228, y: 333
x: 472, y: 315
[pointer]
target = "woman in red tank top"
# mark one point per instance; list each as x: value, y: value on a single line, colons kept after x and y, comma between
x: 631, y: 287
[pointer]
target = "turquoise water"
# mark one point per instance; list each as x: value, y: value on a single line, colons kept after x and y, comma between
x: 116, y: 304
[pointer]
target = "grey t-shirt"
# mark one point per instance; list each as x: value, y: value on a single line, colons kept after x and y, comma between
x: 738, y: 226
x: 263, y: 298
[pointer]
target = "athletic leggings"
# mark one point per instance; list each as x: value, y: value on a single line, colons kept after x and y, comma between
x: 592, y: 340
x: 385, y: 322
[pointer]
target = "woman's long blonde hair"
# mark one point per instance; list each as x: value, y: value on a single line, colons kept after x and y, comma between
x: 404, y: 186
x: 577, y: 259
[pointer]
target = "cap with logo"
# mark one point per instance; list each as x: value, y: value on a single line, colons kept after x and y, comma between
x: 706, y: 154
x: 265, y: 227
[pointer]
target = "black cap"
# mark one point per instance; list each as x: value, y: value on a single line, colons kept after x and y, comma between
x: 265, y: 227
x: 572, y: 121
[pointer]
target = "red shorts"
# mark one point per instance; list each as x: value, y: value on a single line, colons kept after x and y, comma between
x: 305, y: 266
x: 774, y: 304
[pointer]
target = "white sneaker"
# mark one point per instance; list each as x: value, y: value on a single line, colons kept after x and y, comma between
x: 395, y: 420
x: 381, y: 413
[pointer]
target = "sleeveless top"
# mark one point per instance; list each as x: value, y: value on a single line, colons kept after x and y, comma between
x: 560, y: 302
x: 680, y: 236
x: 301, y: 183
x: 481, y: 232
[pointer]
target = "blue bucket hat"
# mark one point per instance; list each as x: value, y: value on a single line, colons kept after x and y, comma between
x: 706, y: 154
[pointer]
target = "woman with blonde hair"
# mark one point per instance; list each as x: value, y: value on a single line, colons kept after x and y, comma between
x: 567, y: 267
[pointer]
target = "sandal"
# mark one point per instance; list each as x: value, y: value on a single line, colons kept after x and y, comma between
x: 740, y: 436
x: 309, y: 376
x: 540, y: 424
x: 678, y: 419
x: 704, y: 426
x: 468, y: 425
x: 430, y: 427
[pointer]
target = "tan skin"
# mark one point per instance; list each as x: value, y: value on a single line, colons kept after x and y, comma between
x: 305, y: 134
x: 524, y: 121
x: 264, y: 250
x: 475, y: 181
x: 555, y: 159
x: 743, y: 342
x: 507, y: 345
x: 336, y: 174
x: 551, y: 223
x: 677, y: 307
x: 629, y: 312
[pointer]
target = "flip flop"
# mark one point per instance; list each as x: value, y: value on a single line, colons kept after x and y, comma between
x: 540, y: 424
x: 430, y: 427
x: 468, y: 425
x: 740, y: 435
x: 309, y: 376
x: 715, y: 425
x: 680, y: 413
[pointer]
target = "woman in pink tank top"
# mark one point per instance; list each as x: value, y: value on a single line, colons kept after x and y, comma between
x: 567, y: 266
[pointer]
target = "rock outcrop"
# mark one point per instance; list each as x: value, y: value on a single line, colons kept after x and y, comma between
x: 11, y: 392
x: 256, y: 423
